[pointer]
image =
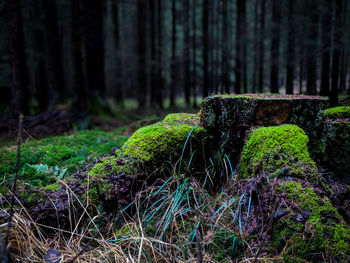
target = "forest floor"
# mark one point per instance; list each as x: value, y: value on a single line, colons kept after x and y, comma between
x: 51, y: 159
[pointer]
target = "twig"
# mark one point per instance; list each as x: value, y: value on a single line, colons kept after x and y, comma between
x: 14, y: 185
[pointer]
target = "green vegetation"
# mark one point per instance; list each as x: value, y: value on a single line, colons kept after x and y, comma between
x: 341, y: 112
x: 271, y: 149
x: 314, y: 227
x: 46, y: 158
x: 182, y: 118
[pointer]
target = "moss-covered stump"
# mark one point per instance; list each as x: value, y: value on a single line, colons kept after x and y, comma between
x: 153, y: 152
x: 227, y: 118
x: 286, y: 208
x: 336, y: 138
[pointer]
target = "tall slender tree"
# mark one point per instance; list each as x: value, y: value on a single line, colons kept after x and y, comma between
x: 311, y: 48
x: 17, y: 56
x: 52, y: 54
x: 80, y: 115
x: 261, y: 47
x: 225, y: 48
x: 205, y: 25
x: 275, y: 45
x: 290, y: 49
x: 326, y: 46
x: 141, y: 52
x: 173, y: 55
x: 187, y: 45
x: 336, y: 53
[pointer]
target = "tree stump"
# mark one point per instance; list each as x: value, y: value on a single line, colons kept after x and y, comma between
x: 229, y: 117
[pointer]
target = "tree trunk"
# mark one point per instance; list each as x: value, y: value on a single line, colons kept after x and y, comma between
x: 19, y: 89
x: 194, y: 54
x: 261, y: 48
x: 311, y: 86
x: 141, y: 50
x: 326, y: 47
x: 154, y: 57
x: 80, y: 115
x: 239, y: 46
x: 160, y: 58
x: 290, y: 49
x: 119, y: 92
x: 205, y: 48
x: 187, y: 45
x: 173, y: 55
x: 275, y: 44
x: 336, y: 53
x: 225, y: 49
x: 53, y: 62
x: 94, y: 45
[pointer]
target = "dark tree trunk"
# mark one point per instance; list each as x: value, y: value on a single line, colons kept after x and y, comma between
x: 240, y: 30
x: 53, y: 62
x: 173, y: 55
x: 94, y: 45
x: 194, y: 54
x: 261, y: 48
x: 311, y: 51
x: 19, y: 90
x: 141, y: 50
x: 326, y: 47
x: 154, y: 55
x: 275, y: 44
x: 187, y: 44
x: 225, y: 49
x: 290, y: 49
x: 336, y: 53
x: 80, y: 115
x: 205, y: 48
x: 256, y: 45
x: 244, y: 45
x: 160, y: 58
x: 119, y: 92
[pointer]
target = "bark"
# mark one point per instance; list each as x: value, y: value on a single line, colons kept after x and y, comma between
x: 19, y: 89
x: 160, y: 59
x: 326, y: 48
x: 225, y: 49
x: 194, y: 54
x: 336, y: 53
x: 53, y: 62
x: 261, y: 48
x: 173, y: 55
x: 79, y: 56
x: 205, y: 25
x: 187, y: 44
x: 311, y: 46
x: 94, y: 45
x: 290, y: 49
x: 154, y: 55
x: 275, y: 44
x: 141, y: 50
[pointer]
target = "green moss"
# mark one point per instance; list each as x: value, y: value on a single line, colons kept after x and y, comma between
x: 324, y: 230
x: 52, y: 187
x: 160, y: 142
x: 269, y: 149
x: 182, y: 118
x: 70, y: 152
x: 341, y: 112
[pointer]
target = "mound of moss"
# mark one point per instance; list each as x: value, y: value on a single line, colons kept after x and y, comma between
x: 277, y: 174
x: 275, y: 150
x: 47, y: 157
x: 151, y: 152
x: 341, y: 112
x: 311, y: 228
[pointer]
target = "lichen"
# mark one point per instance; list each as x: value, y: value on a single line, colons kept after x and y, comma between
x: 341, y: 112
x: 311, y: 227
x: 275, y: 150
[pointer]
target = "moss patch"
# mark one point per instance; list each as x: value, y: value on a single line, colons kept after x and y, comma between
x: 182, y: 118
x: 70, y: 152
x: 312, y: 228
x: 342, y: 112
x: 275, y: 150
